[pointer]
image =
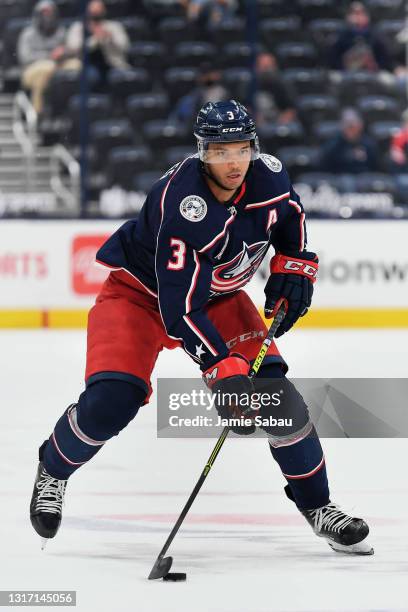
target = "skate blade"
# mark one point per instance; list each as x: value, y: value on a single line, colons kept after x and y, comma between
x: 361, y: 548
x: 44, y: 543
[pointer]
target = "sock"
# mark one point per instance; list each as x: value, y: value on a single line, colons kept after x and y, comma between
x: 102, y: 411
x: 302, y: 463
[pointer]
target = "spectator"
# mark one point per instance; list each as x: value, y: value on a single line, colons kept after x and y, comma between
x: 351, y: 151
x: 358, y: 47
x: 209, y: 12
x: 209, y: 88
x: 108, y: 42
x: 399, y: 145
x: 40, y: 50
x: 274, y: 101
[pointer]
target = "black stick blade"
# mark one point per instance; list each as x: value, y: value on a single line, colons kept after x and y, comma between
x: 161, y: 568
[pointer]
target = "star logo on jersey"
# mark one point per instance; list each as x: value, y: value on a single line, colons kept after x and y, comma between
x: 236, y: 273
x: 193, y: 208
x: 199, y: 351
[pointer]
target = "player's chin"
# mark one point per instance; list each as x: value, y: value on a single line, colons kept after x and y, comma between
x: 233, y: 182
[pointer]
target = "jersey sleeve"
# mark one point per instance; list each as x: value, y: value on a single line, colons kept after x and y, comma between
x: 183, y: 281
x: 291, y: 236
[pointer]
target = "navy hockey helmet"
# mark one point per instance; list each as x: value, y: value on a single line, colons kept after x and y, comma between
x: 227, y: 121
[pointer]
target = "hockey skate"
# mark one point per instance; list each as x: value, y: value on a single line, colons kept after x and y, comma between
x: 344, y: 534
x: 46, y: 504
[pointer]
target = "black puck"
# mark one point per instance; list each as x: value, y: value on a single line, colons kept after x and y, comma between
x: 175, y: 577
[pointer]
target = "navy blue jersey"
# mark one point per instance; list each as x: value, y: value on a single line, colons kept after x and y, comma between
x: 187, y: 248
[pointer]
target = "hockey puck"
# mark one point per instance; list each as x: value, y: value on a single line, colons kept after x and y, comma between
x: 175, y: 577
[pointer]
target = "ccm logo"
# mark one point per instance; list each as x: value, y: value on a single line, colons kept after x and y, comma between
x: 233, y: 129
x: 298, y: 266
x: 212, y: 375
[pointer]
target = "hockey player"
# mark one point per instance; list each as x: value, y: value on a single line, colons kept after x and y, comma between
x: 176, y: 279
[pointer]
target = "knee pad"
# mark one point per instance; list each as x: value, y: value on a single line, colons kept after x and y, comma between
x: 285, y: 416
x: 107, y: 406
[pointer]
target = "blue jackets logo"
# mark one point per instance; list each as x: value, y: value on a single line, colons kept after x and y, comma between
x: 236, y: 273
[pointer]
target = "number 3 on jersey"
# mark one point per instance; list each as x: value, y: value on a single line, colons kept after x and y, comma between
x: 178, y: 259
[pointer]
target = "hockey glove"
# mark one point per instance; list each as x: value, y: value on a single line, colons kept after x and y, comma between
x: 291, y: 282
x: 229, y: 380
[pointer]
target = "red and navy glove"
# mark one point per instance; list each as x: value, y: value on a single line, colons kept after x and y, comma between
x: 230, y: 376
x: 291, y: 282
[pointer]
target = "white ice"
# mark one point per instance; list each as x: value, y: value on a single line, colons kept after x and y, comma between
x: 244, y: 547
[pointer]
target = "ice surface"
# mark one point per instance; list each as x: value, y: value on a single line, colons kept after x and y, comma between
x: 244, y: 547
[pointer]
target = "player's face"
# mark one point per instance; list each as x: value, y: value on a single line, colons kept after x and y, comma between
x: 229, y: 162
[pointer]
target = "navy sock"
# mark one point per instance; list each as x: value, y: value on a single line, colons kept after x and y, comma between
x: 102, y: 411
x: 302, y: 463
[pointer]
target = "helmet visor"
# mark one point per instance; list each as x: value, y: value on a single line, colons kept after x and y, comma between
x: 227, y: 152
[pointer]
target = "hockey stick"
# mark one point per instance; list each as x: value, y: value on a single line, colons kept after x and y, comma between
x: 163, y: 564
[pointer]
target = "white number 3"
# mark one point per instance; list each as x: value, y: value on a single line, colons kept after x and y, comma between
x: 230, y: 115
x: 178, y: 258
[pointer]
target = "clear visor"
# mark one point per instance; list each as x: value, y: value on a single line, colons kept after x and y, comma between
x: 227, y: 152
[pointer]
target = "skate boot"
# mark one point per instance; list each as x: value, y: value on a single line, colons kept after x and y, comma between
x: 46, y: 503
x: 343, y: 533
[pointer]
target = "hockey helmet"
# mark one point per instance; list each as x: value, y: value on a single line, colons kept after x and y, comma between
x: 227, y: 121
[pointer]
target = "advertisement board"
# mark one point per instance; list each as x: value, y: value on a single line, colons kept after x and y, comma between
x: 49, y: 266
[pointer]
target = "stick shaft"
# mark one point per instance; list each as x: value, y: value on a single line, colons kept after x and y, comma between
x: 253, y: 372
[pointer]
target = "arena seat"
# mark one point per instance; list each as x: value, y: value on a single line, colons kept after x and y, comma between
x: 62, y: 86
x: 161, y: 134
x: 296, y: 55
x: 308, y: 80
x: 137, y: 28
x: 325, y: 32
x: 318, y: 9
x: 280, y: 30
x: 98, y: 108
x: 193, y: 53
x: 378, y: 108
x: 323, y: 131
x: 150, y: 55
x: 107, y: 134
x: 125, y: 162
x: 383, y: 131
x: 159, y: 9
x: 173, y: 30
x: 313, y: 108
x: 276, y: 135
x: 236, y: 55
x: 228, y: 31
x: 385, y: 9
x: 237, y: 81
x: 146, y: 107
x: 118, y: 8
x: 275, y: 8
x: 299, y: 159
x: 356, y: 84
x: 179, y: 81
x: 173, y: 155
x: 124, y: 83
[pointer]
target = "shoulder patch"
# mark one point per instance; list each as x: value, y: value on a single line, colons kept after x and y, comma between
x: 272, y: 162
x: 193, y: 208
